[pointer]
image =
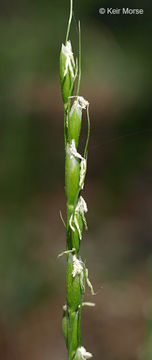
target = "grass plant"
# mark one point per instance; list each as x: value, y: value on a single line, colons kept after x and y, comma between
x: 75, y: 173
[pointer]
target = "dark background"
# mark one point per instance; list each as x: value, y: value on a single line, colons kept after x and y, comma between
x: 116, y: 79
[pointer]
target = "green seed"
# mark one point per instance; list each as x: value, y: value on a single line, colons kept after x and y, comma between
x: 67, y: 71
x: 65, y: 326
x: 73, y: 332
x: 72, y: 177
x: 74, y: 124
x: 73, y: 286
x: 75, y: 236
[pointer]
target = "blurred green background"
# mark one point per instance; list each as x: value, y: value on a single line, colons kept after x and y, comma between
x: 117, y: 81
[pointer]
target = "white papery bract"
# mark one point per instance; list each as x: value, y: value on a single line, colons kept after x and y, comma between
x: 83, y: 168
x: 82, y: 102
x: 74, y: 151
x: 69, y: 64
x: 77, y: 266
x: 81, y: 208
x: 82, y: 354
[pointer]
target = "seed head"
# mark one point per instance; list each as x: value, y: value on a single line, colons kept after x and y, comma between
x: 67, y: 71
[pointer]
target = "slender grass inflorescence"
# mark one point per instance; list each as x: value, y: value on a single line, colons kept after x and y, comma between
x: 75, y: 172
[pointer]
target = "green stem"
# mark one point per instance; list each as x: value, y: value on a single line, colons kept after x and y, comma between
x: 79, y: 325
x: 88, y: 135
x: 65, y: 125
x: 79, y: 70
x: 69, y: 22
x: 70, y: 209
